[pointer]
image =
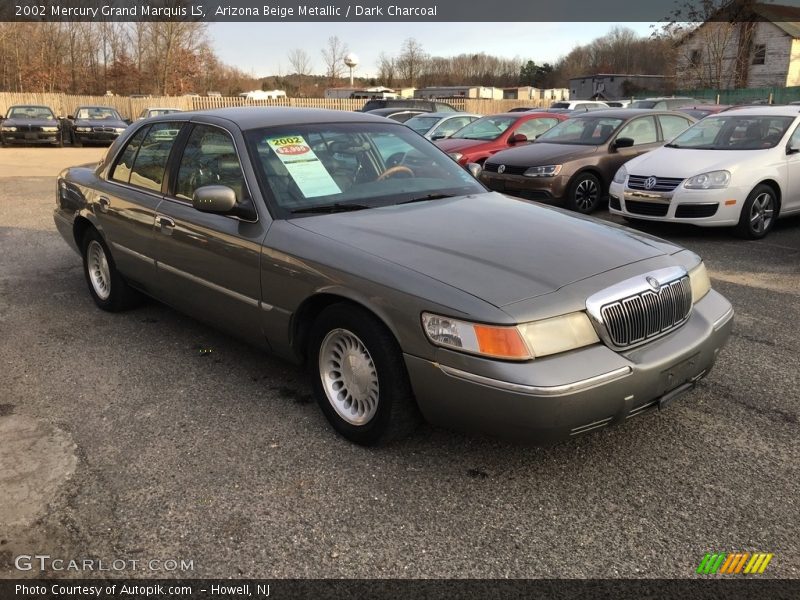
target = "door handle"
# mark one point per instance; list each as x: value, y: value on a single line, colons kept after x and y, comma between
x: 165, y: 224
x: 103, y: 203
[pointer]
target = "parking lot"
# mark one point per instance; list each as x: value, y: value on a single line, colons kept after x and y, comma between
x: 148, y: 436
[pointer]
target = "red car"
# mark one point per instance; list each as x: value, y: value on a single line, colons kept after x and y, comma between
x: 480, y: 139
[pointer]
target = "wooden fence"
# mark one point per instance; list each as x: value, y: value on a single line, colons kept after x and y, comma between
x: 64, y: 105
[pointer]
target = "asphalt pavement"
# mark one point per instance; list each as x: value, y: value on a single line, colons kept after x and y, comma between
x: 148, y: 436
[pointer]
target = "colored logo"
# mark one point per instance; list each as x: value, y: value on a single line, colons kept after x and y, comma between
x: 650, y: 183
x: 733, y: 563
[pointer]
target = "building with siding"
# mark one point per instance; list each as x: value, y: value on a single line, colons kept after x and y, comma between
x: 616, y: 86
x: 754, y: 50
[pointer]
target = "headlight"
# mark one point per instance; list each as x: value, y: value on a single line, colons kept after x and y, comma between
x: 9, y: 128
x: 621, y: 175
x: 701, y: 284
x: 456, y: 156
x: 49, y: 129
x: 523, y: 342
x: 713, y: 180
x: 544, y: 171
x: 119, y: 129
x: 83, y: 129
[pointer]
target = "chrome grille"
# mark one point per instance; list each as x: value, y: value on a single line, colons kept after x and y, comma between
x: 648, y: 314
x: 103, y: 129
x: 663, y: 184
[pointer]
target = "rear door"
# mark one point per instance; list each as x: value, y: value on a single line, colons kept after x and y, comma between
x: 125, y: 201
x: 208, y: 264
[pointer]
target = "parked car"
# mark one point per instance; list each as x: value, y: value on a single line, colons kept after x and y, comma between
x: 437, y: 126
x: 404, y: 287
x: 401, y: 115
x: 670, y: 103
x: 155, y: 112
x: 488, y: 135
x: 580, y: 105
x: 618, y: 103
x: 30, y: 124
x: 575, y: 161
x: 95, y: 125
x: 428, y: 105
x: 522, y: 109
x: 701, y: 111
x: 739, y: 168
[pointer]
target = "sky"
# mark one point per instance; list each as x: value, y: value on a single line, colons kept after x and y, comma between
x: 261, y: 49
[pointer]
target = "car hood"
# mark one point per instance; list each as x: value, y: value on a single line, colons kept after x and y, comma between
x: 499, y: 249
x: 459, y: 145
x: 99, y: 123
x: 35, y: 122
x: 683, y: 162
x: 541, y: 153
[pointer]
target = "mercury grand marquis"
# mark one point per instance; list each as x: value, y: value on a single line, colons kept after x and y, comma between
x: 351, y: 244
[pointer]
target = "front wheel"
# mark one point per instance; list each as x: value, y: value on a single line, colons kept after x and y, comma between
x: 108, y: 288
x: 584, y: 193
x: 358, y: 376
x: 758, y: 213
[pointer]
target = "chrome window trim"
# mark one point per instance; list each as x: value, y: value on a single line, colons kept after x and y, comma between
x: 537, y: 390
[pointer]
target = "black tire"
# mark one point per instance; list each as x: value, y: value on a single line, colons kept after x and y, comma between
x: 759, y: 212
x: 118, y: 295
x: 584, y: 193
x: 395, y: 414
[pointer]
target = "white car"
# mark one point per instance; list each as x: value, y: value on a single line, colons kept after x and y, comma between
x: 735, y: 169
x: 155, y: 112
x: 580, y: 105
x: 437, y: 126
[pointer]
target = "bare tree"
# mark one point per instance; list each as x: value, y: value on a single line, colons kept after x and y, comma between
x: 333, y: 55
x: 300, y: 61
x: 411, y: 61
x: 386, y: 69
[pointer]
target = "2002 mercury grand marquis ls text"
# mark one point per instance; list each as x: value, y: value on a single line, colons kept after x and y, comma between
x: 353, y: 244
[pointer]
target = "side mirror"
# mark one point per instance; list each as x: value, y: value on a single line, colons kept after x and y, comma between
x: 70, y: 117
x: 127, y: 121
x: 792, y: 149
x: 214, y: 199
x: 474, y: 169
x: 438, y: 136
x: 518, y: 138
x: 623, y: 142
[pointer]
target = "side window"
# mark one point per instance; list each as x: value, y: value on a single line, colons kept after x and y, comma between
x: 642, y: 131
x: 794, y: 141
x: 151, y: 159
x: 209, y: 159
x: 534, y: 127
x: 672, y: 125
x: 450, y: 126
x: 124, y: 165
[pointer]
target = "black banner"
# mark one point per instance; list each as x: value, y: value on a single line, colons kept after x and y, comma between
x: 716, y: 588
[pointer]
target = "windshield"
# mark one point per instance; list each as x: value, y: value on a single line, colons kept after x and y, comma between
x: 485, y: 128
x: 95, y: 113
x: 586, y: 131
x: 730, y: 132
x: 559, y: 105
x: 422, y: 124
x: 642, y: 104
x: 30, y: 112
x: 341, y: 166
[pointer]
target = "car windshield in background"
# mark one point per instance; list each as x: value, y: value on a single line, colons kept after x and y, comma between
x: 422, y: 124
x: 587, y: 131
x: 30, y: 112
x: 485, y: 128
x: 730, y: 132
x: 643, y: 104
x: 334, y: 167
x: 93, y: 114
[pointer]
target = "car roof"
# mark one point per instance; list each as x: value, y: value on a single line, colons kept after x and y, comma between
x: 626, y: 113
x: 252, y: 117
x: 29, y: 106
x: 764, y: 111
x: 95, y: 106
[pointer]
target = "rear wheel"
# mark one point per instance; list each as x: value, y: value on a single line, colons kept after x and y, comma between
x: 358, y: 376
x: 758, y: 213
x: 108, y: 288
x: 584, y: 193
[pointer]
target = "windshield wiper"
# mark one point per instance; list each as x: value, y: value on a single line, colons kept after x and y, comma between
x: 331, y: 208
x: 671, y: 146
x: 427, y: 197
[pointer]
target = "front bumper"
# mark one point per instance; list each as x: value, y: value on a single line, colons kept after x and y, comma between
x: 709, y: 208
x: 535, y: 188
x: 26, y: 137
x: 95, y: 137
x: 555, y: 398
